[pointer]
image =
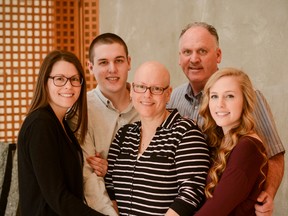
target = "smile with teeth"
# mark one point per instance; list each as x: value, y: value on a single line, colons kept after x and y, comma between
x: 222, y: 113
x: 146, y: 103
x: 66, y: 95
x: 112, y: 78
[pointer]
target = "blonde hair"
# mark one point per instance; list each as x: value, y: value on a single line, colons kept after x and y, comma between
x: 221, y: 146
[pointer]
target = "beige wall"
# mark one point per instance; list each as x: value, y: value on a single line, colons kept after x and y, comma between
x: 253, y: 37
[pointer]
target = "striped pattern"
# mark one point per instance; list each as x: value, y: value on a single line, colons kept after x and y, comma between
x: 182, y: 98
x: 170, y: 173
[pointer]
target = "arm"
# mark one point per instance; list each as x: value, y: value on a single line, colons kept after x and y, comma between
x: 273, y: 180
x: 267, y: 130
x: 237, y: 183
x: 94, y: 186
x: 49, y: 155
x: 98, y: 164
x: 275, y: 174
x: 192, y: 164
x: 114, y: 151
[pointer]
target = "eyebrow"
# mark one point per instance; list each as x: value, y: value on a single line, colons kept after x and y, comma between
x: 117, y: 57
x: 229, y: 91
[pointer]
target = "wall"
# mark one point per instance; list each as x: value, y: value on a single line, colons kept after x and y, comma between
x: 253, y: 37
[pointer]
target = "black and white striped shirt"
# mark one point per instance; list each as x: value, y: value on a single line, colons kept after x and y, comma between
x: 171, y: 173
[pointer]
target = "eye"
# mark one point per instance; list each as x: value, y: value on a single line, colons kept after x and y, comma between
x: 202, y: 52
x: 156, y: 89
x: 230, y: 96
x: 213, y: 96
x: 103, y: 63
x: 119, y: 60
x: 141, y: 86
x: 59, y: 78
x: 187, y: 52
x: 76, y: 78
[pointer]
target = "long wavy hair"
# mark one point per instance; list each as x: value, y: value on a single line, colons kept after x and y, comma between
x: 221, y: 146
x: 41, y: 97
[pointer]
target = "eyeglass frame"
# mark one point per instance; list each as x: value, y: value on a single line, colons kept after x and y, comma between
x: 67, y: 78
x: 150, y: 87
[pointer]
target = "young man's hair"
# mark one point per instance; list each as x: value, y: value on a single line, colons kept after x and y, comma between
x: 106, y: 38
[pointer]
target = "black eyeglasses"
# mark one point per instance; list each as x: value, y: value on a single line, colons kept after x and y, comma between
x: 153, y: 89
x: 60, y: 81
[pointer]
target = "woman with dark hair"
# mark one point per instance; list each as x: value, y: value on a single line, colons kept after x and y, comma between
x: 239, y: 160
x: 49, y: 156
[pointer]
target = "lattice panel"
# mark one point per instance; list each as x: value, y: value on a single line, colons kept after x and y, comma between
x: 25, y: 39
x: 29, y: 29
x: 89, y: 31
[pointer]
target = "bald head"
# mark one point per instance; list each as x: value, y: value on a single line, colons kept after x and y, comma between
x: 152, y: 73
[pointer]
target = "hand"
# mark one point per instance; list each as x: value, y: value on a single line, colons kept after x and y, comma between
x: 266, y: 207
x: 98, y: 164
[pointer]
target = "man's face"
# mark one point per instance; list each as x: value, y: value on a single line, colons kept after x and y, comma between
x: 198, y: 56
x: 110, y: 67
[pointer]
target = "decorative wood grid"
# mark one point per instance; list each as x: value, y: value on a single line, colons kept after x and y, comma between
x: 89, y: 30
x: 29, y: 29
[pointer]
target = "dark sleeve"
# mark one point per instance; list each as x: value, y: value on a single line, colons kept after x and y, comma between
x: 192, y: 165
x: 45, y: 155
x: 237, y: 181
x: 114, y: 151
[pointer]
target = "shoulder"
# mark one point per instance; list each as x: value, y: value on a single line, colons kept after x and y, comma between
x: 91, y: 95
x: 180, y: 89
x: 41, y: 123
x: 249, y: 146
x: 41, y: 115
x: 179, y: 120
x: 181, y: 124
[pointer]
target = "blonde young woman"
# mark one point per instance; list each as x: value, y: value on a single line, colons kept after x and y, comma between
x: 239, y: 162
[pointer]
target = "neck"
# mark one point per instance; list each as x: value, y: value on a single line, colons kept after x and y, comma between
x: 152, y: 123
x: 120, y: 100
x: 148, y: 130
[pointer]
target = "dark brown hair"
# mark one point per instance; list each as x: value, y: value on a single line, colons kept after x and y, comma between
x: 41, y: 97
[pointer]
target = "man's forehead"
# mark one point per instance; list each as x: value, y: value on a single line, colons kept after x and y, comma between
x: 108, y: 51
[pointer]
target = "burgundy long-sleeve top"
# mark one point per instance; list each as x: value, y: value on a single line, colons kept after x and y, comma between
x: 237, y: 190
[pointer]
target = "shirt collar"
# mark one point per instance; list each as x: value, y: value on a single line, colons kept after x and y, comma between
x: 108, y: 103
x: 189, y: 95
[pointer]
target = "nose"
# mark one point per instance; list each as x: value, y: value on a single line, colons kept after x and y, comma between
x: 112, y: 67
x: 68, y: 84
x: 148, y: 93
x: 194, y: 57
x: 220, y: 102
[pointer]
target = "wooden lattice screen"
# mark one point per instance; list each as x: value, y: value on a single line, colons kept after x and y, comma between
x: 29, y: 29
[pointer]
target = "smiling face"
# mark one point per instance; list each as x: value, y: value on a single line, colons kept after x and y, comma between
x: 226, y: 102
x: 148, y: 104
x: 110, y: 67
x: 62, y: 98
x: 198, y: 56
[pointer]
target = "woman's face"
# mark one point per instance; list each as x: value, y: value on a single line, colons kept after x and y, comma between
x: 149, y: 104
x: 61, y: 98
x: 226, y: 102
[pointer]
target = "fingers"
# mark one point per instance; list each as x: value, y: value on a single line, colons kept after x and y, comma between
x: 99, y: 165
x: 262, y: 196
x: 266, y: 206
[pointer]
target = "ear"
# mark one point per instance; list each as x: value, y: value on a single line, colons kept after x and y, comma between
x: 129, y: 62
x: 179, y: 61
x: 219, y: 55
x: 131, y: 89
x: 169, y: 92
x: 90, y: 66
